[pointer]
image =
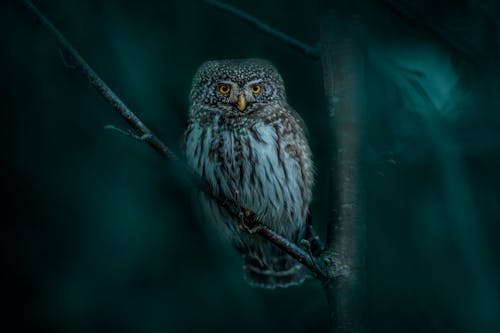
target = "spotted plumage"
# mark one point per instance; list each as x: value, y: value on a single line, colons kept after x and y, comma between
x: 250, y: 145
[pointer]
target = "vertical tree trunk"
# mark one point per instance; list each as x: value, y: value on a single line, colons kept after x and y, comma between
x: 343, y: 70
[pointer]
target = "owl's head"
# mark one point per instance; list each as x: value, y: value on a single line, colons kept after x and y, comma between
x: 237, y: 86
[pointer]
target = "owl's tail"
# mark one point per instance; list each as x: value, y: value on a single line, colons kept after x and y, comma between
x: 274, y: 270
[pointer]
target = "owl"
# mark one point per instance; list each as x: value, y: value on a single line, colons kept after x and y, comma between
x: 250, y: 146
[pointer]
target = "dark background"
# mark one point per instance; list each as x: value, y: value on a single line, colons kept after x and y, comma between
x: 100, y: 233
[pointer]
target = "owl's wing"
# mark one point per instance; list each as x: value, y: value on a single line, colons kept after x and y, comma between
x: 300, y: 122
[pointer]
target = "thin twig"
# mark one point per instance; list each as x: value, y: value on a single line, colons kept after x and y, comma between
x: 252, y: 21
x: 65, y: 62
x: 126, y: 132
x: 146, y: 135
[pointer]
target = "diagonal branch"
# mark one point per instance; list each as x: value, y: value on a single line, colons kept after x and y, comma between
x: 101, y: 86
x: 459, y: 47
x: 294, y: 251
x: 252, y: 21
x: 250, y: 223
x: 249, y: 220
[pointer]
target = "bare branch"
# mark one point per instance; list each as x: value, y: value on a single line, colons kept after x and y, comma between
x: 84, y: 68
x: 249, y: 219
x: 252, y: 21
x: 402, y: 10
x: 294, y: 251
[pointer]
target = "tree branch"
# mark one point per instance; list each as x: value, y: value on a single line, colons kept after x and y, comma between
x: 252, y: 21
x: 252, y: 225
x: 404, y: 11
x: 108, y: 94
x: 248, y: 219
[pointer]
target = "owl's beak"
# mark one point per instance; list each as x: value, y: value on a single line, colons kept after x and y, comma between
x: 242, y: 102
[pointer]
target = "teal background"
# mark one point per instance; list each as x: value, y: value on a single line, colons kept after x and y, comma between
x: 99, y: 233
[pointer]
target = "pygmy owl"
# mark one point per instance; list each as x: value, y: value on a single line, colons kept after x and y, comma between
x: 247, y: 142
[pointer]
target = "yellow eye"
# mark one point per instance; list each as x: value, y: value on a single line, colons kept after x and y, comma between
x: 224, y: 89
x: 256, y: 88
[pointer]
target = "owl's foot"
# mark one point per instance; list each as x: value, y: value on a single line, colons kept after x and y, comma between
x: 311, y: 241
x: 249, y: 221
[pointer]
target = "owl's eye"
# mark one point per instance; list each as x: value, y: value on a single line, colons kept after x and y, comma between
x: 256, y: 88
x: 224, y: 89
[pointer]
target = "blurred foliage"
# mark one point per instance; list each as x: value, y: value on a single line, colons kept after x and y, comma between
x: 99, y: 233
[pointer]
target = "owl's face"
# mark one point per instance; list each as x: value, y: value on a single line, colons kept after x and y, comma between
x: 238, y: 87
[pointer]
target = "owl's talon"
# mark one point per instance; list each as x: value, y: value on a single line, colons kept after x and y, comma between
x: 249, y: 221
x: 306, y: 244
x: 250, y: 229
x: 327, y: 261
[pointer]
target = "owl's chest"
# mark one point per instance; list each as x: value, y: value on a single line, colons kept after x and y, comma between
x: 243, y: 162
x: 235, y: 159
x: 253, y: 166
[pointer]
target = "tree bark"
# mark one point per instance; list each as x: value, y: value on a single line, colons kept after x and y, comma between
x: 343, y: 72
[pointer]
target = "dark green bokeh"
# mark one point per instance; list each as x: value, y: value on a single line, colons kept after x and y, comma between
x: 100, y: 233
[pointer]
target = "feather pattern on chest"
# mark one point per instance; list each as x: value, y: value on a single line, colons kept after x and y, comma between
x: 260, y: 164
